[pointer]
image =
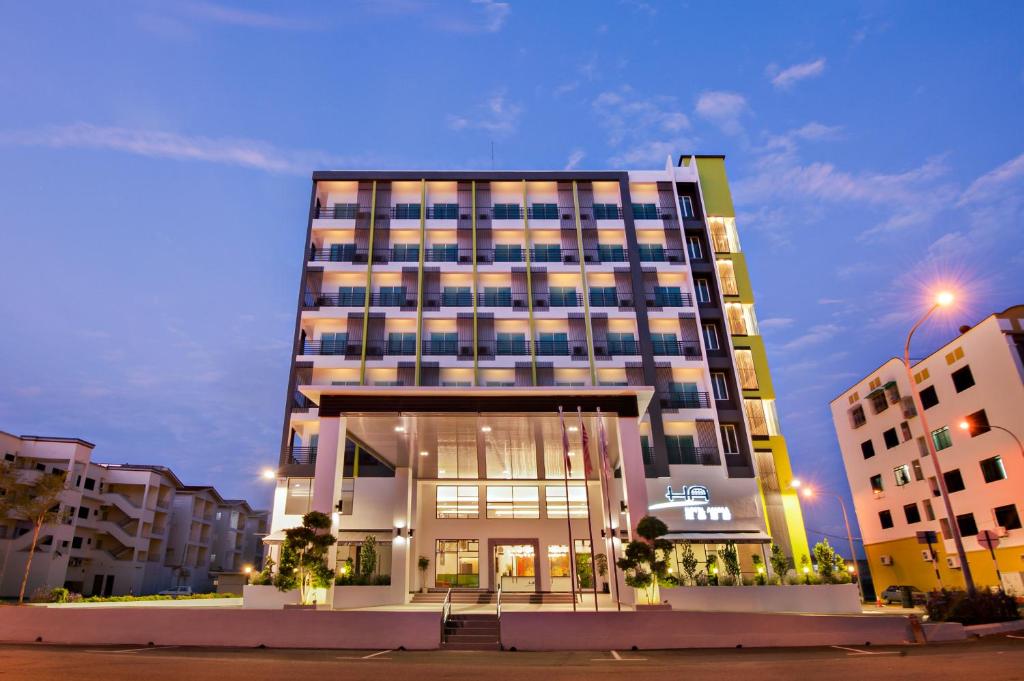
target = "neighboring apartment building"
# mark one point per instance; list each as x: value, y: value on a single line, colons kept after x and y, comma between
x: 977, y: 377
x: 127, y: 528
x: 443, y: 319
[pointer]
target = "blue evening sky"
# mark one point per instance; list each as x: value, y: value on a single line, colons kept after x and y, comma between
x: 155, y: 160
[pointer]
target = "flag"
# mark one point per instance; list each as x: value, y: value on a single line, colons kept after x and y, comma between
x: 587, y: 468
x: 565, y: 445
x: 602, y: 448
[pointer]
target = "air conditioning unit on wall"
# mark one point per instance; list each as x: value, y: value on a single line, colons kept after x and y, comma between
x: 886, y: 560
x: 953, y: 562
x: 927, y: 556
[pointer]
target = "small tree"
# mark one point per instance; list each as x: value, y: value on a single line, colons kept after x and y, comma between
x: 688, y: 561
x: 645, y: 563
x: 423, y: 563
x: 780, y: 564
x: 712, y: 568
x: 38, y: 503
x: 760, y: 577
x: 731, y: 559
x: 805, y: 566
x: 368, y: 555
x: 304, y: 557
x: 825, y: 557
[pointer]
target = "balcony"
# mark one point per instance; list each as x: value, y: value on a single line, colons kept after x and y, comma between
x: 504, y: 347
x: 447, y: 348
x: 668, y: 297
x: 338, y: 253
x: 502, y: 297
x: 348, y: 296
x: 651, y: 211
x: 331, y: 347
x: 300, y: 455
x: 676, y: 348
x: 460, y: 296
x: 616, y: 347
x: 609, y: 296
x: 729, y: 287
x: 563, y: 298
x: 702, y: 456
x: 684, y: 400
x: 338, y: 211
x: 748, y: 378
x: 657, y: 253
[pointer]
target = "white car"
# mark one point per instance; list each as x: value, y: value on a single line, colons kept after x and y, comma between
x: 177, y: 591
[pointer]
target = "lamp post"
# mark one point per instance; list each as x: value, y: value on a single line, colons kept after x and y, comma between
x: 942, y: 300
x: 965, y: 425
x: 808, y: 492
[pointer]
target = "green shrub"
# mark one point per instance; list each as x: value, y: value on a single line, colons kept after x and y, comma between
x: 350, y: 579
x: 984, y: 607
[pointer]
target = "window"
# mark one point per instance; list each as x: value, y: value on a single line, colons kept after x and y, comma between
x: 693, y: 248
x: 552, y: 343
x: 977, y: 423
x: 457, y: 563
x: 83, y: 512
x: 76, y: 542
x: 90, y: 483
x: 902, y: 475
x: 710, y: 337
x: 645, y: 211
x: 885, y: 518
x: 929, y: 512
x: 651, y: 252
x: 563, y: 296
x: 513, y: 502
x: 962, y: 379
x: 446, y: 211
x: 857, y: 417
x: 507, y: 211
x: 703, y: 291
x: 508, y: 253
x: 645, y: 449
x: 606, y: 211
x: 918, y: 473
x: 512, y: 344
x: 1007, y: 517
x: 992, y: 469
x: 719, y: 386
x: 554, y: 501
x: 668, y: 296
x: 342, y: 252
x: 603, y: 296
x: 345, y: 211
x: 929, y: 398
x: 922, y: 446
x: 680, y: 449
x: 611, y: 252
x: 867, y: 448
x: 686, y: 203
x: 730, y: 440
x: 622, y: 344
x: 402, y: 343
x: 745, y: 368
x: 891, y: 438
x: 392, y: 296
x: 912, y: 513
x: 299, y: 496
x: 444, y: 253
x: 905, y: 431
x: 458, y: 501
x: 546, y: 253
x: 878, y: 401
x: 968, y: 527
x: 544, y: 211
x: 876, y: 484
x: 665, y: 344
x: 954, y: 481
x: 407, y: 211
x: 941, y: 438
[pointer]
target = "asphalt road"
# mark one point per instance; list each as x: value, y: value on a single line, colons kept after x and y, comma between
x: 993, y: 659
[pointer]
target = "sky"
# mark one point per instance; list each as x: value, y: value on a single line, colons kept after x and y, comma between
x: 155, y: 162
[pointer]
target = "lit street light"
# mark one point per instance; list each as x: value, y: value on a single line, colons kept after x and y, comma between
x: 943, y: 299
x: 268, y: 474
x: 809, y: 492
x: 966, y: 425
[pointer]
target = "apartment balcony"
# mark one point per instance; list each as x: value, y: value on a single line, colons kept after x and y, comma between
x: 515, y: 347
x: 338, y: 253
x: 748, y: 378
x: 609, y: 296
x: 451, y: 297
x: 701, y: 456
x: 624, y: 347
x: 447, y: 348
x: 656, y: 253
x: 562, y: 298
x: 354, y: 296
x: 651, y: 211
x: 676, y: 348
x: 300, y: 455
x: 684, y: 400
x: 331, y: 347
x: 502, y: 297
x: 668, y: 297
x: 338, y: 211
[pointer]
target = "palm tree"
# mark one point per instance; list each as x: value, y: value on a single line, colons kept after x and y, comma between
x: 39, y: 504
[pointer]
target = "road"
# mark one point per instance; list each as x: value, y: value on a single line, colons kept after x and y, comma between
x: 994, y: 659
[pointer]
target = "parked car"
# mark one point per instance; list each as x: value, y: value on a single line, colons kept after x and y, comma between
x: 177, y: 591
x: 894, y: 594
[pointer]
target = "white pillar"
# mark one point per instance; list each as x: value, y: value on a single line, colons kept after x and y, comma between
x: 330, y: 462
x: 634, y: 481
x: 401, y: 548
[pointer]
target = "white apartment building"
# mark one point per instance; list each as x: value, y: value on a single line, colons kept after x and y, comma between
x: 977, y: 378
x: 127, y: 529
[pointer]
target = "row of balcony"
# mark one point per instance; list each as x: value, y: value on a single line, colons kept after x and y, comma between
x: 505, y: 297
x: 507, y: 253
x: 498, y: 211
x: 401, y: 345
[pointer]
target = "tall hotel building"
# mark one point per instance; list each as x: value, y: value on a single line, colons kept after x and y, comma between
x: 977, y: 380
x: 445, y: 317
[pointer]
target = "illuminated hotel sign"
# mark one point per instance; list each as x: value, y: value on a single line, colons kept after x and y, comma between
x: 695, y: 501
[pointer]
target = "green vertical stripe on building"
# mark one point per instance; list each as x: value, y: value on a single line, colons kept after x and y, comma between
x: 419, y: 279
x: 583, y: 281
x: 369, y: 282
x: 529, y: 290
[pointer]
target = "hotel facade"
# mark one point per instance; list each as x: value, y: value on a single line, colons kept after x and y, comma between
x: 976, y: 379
x: 443, y: 320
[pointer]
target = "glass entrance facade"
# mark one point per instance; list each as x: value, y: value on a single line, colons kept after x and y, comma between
x: 515, y: 567
x: 457, y: 563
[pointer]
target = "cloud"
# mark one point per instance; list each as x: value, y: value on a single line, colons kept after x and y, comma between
x: 496, y: 115
x: 816, y: 335
x: 161, y: 144
x: 574, y: 159
x: 775, y: 322
x: 244, y: 18
x: 565, y: 88
x: 789, y: 76
x: 488, y: 16
x: 724, y: 109
x: 993, y: 182
x: 642, y: 130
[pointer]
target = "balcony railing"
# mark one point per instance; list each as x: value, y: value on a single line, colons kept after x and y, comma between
x: 339, y: 211
x: 331, y: 347
x: 684, y: 400
x: 339, y: 253
x: 610, y: 298
x: 671, y: 255
x: 689, y: 349
x: 669, y: 298
x: 448, y: 298
x: 451, y: 348
x: 356, y: 298
x: 705, y: 456
x: 301, y: 455
x: 563, y: 299
x: 502, y: 298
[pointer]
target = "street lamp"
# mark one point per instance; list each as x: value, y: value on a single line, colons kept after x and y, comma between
x: 268, y: 474
x: 809, y: 492
x: 943, y: 299
x: 965, y: 425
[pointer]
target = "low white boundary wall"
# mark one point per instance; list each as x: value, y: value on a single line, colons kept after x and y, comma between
x: 215, y: 627
x: 824, y: 599
x: 655, y: 630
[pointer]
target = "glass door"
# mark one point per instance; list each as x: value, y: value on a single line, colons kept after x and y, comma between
x: 457, y: 563
x: 514, y: 566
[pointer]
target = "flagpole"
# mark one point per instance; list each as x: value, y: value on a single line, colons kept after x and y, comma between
x: 568, y: 520
x: 606, y: 488
x: 586, y: 488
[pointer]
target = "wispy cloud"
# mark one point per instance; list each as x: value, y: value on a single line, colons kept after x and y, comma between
x: 247, y: 18
x: 724, y: 109
x: 775, y: 322
x: 245, y: 153
x: 816, y: 335
x: 496, y: 115
x: 574, y: 159
x: 487, y: 16
x: 641, y: 129
x: 783, y: 79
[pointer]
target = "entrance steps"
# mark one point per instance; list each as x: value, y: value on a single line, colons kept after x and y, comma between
x: 485, y: 597
x: 471, y: 632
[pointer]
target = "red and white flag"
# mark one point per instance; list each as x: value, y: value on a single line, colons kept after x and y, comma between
x: 565, y: 444
x: 588, y: 469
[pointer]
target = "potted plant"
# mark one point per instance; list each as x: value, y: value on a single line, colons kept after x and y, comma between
x: 304, y: 558
x: 601, y: 561
x: 645, y: 564
x: 423, y: 563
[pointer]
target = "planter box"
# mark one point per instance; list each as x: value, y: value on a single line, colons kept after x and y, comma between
x: 267, y: 597
x: 364, y: 596
x: 830, y: 599
x: 652, y: 606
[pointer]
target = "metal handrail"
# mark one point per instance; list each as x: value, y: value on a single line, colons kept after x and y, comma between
x: 499, y: 602
x: 446, y: 611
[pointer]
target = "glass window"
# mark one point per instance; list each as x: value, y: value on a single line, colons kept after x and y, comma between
x: 720, y: 386
x: 351, y: 296
x: 446, y: 211
x: 876, y: 483
x: 962, y: 379
x: 457, y: 563
x: 405, y: 253
x: 646, y: 451
x: 511, y: 450
x: 456, y: 296
x: 954, y: 481
x: 902, y: 475
x: 1007, y: 517
x: 299, y: 497
x: 507, y: 211
x: 402, y: 343
x: 606, y: 211
x: 686, y: 204
x: 992, y: 469
x: 544, y: 211
x: 563, y: 296
x: 508, y: 253
x: 611, y: 253
x: 693, y: 248
x: 622, y: 344
x: 929, y: 512
x: 730, y: 440
x: 494, y: 296
x: 929, y: 398
x: 645, y: 211
x: 407, y: 211
x: 665, y: 343
x: 867, y: 448
x: 918, y: 473
x: 444, y: 253
x: 344, y: 211
x: 546, y: 253
x: 651, y: 252
x: 681, y: 450
x: 912, y: 513
x: 968, y: 527
x: 512, y: 344
x: 604, y: 296
x: 392, y: 296
x: 941, y: 438
x: 552, y: 343
x: 668, y: 296
x: 554, y: 501
x: 885, y: 518
x: 342, y: 252
x: 456, y: 449
x: 891, y: 438
x: 513, y: 502
x: 458, y: 501
x: 710, y: 337
x: 703, y: 290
